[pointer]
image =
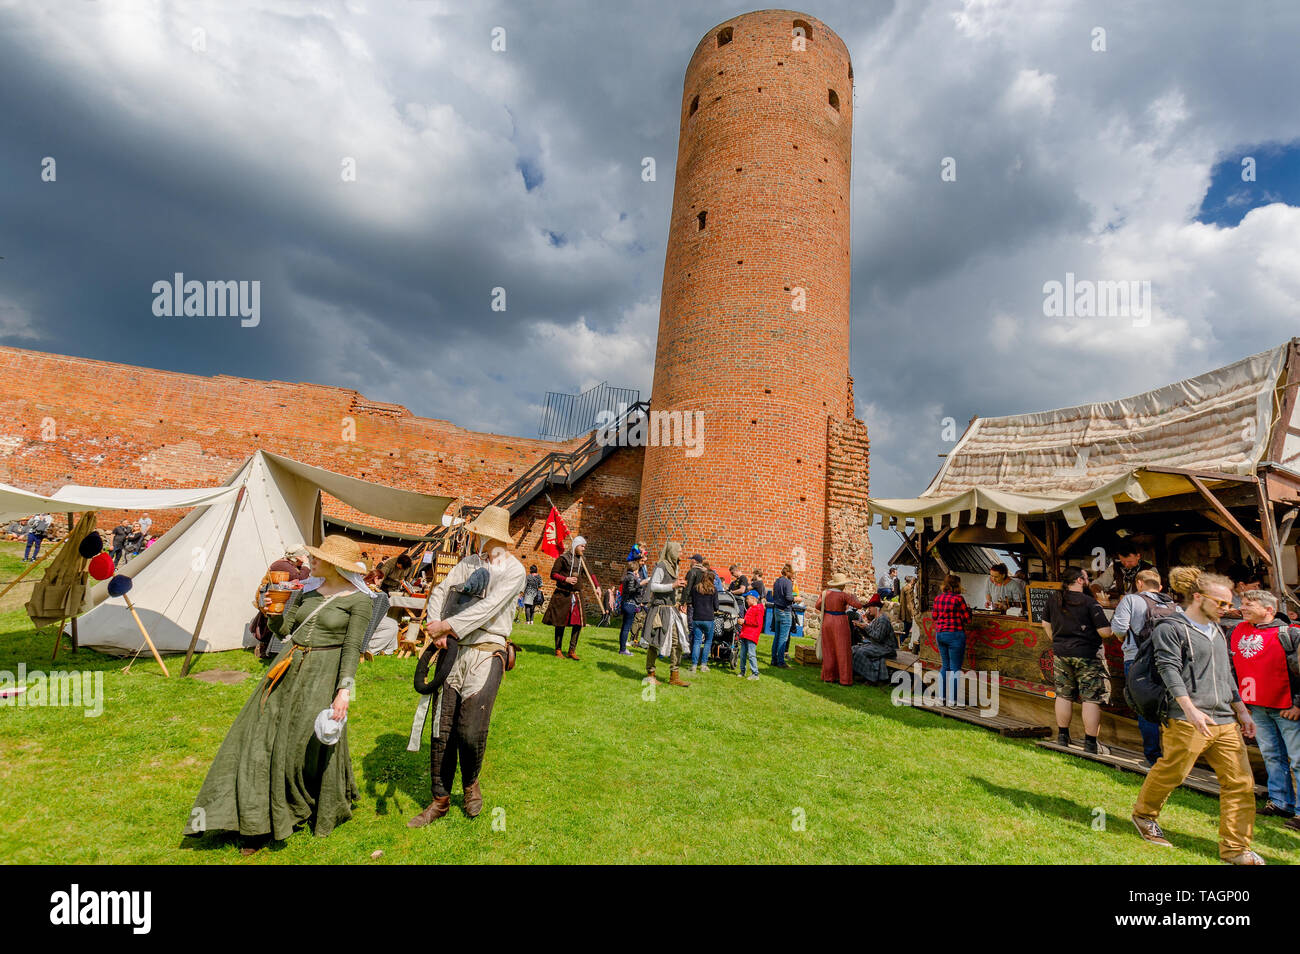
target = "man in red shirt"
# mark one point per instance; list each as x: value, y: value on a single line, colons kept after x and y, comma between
x: 1263, y: 653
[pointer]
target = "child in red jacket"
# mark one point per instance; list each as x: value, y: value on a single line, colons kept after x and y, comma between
x: 749, y: 632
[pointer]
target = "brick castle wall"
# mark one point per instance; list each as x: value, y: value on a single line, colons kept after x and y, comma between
x: 74, y: 420
x: 754, y: 320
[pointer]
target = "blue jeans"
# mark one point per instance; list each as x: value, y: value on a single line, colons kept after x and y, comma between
x: 748, y: 651
x: 952, y: 651
x: 1150, y: 730
x: 701, y: 641
x: 629, y: 616
x: 781, y: 620
x: 1279, y: 743
x: 33, y: 539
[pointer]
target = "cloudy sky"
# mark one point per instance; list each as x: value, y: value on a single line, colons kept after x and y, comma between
x: 212, y: 138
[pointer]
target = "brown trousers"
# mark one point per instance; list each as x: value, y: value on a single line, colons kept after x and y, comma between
x: 1225, y: 750
x: 675, y: 657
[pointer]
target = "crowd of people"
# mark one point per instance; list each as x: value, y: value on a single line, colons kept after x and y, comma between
x: 1219, y: 643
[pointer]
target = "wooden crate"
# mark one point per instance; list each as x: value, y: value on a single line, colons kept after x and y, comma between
x: 806, y: 655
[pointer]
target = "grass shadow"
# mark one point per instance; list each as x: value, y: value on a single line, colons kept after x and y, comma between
x: 1074, y: 813
x: 390, y: 769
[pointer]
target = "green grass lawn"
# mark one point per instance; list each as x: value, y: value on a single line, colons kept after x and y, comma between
x: 581, y: 767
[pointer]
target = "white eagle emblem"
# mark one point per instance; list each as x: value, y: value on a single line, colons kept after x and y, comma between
x: 1251, y: 645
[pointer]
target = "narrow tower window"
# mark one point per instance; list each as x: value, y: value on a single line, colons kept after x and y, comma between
x: 701, y: 218
x: 834, y: 99
x: 801, y: 28
x: 695, y: 104
x: 724, y: 36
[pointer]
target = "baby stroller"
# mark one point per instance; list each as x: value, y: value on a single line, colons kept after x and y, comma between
x: 726, y: 630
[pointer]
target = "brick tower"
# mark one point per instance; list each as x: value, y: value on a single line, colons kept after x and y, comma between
x: 754, y: 316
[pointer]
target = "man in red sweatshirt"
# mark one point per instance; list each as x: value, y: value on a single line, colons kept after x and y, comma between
x: 1263, y: 652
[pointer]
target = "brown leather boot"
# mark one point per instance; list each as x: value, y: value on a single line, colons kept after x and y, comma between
x: 677, y: 680
x: 439, y: 808
x: 572, y: 655
x: 473, y: 800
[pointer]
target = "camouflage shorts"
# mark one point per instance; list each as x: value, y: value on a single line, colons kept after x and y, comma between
x: 1081, y: 680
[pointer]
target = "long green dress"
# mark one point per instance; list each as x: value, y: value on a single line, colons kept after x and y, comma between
x: 271, y: 772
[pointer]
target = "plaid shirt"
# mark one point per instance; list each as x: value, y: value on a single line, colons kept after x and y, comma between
x: 950, y: 612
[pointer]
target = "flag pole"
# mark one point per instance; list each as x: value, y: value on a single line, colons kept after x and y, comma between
x: 594, y: 588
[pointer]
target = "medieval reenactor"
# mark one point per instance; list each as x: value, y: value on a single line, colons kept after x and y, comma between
x: 1120, y: 578
x: 472, y: 613
x: 565, y: 608
x: 664, y: 624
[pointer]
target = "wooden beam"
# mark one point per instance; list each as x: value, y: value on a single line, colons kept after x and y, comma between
x: 1054, y: 549
x: 1073, y: 538
x: 1214, y: 518
x: 1234, y: 525
x: 1201, y: 474
x: 1271, y: 540
x: 1037, y: 544
x: 1290, y: 396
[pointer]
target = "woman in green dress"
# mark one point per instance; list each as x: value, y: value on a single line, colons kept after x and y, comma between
x: 272, y: 773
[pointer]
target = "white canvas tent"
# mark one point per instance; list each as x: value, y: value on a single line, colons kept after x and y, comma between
x: 16, y: 504
x: 269, y: 505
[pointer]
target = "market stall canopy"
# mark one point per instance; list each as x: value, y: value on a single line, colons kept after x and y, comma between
x: 1215, y: 428
x: 270, y: 505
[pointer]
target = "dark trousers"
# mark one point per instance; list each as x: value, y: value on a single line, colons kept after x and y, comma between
x: 573, y: 638
x: 529, y: 609
x: 33, y: 548
x: 629, y: 617
x: 1150, y: 731
x: 462, y: 734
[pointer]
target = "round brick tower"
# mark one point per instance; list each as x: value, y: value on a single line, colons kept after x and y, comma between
x: 754, y: 316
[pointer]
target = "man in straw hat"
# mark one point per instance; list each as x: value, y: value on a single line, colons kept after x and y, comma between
x: 480, y: 631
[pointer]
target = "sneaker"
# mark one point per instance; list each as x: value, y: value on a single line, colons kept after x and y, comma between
x: 1150, y: 831
x: 704, y: 668
x: 625, y: 652
x: 692, y: 668
x: 1275, y: 810
x: 752, y: 676
x: 1246, y: 858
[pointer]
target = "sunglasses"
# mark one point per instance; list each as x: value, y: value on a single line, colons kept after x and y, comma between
x: 1222, y: 604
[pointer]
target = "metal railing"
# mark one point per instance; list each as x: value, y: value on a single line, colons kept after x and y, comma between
x: 565, y: 416
x: 556, y: 469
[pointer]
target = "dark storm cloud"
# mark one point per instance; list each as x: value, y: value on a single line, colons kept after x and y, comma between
x: 521, y: 169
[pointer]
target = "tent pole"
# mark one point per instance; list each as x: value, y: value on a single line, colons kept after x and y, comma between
x: 58, y: 636
x: 212, y: 583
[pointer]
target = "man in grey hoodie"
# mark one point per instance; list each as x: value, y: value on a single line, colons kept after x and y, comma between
x: 1206, y: 718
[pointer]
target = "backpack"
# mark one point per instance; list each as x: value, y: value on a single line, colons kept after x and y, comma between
x: 1157, y: 609
x: 1144, y: 689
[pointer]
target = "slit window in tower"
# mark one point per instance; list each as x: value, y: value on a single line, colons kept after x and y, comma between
x: 695, y: 104
x: 804, y: 26
x: 724, y: 36
x: 701, y: 217
x: 833, y: 98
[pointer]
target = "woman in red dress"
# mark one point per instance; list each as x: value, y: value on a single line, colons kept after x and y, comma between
x: 837, y: 660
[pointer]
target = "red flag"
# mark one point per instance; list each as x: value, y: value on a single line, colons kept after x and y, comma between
x: 553, y: 534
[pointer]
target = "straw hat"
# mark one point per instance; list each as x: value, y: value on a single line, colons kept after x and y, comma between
x: 837, y: 581
x: 493, y: 524
x: 341, y: 552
